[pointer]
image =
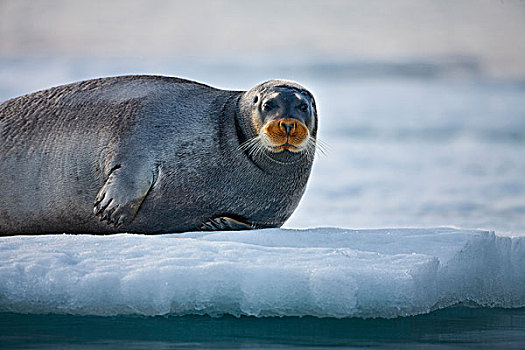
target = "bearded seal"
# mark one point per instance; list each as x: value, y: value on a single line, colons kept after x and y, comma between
x: 154, y: 154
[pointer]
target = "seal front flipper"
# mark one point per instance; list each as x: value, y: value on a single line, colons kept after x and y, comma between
x: 119, y: 200
x: 224, y: 223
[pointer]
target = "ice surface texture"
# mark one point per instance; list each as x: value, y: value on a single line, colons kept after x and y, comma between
x: 324, y: 272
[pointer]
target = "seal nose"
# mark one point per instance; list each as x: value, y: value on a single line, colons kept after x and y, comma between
x: 287, y: 127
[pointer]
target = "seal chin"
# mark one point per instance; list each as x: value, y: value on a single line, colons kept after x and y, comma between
x: 284, y: 148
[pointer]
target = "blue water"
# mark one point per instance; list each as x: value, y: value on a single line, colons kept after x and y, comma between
x: 444, y: 329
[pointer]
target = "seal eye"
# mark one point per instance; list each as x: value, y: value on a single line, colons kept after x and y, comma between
x: 255, y: 99
x: 267, y: 106
x: 303, y: 107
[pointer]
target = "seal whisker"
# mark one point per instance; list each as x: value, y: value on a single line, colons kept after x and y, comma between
x: 249, y: 143
x: 260, y: 149
x: 324, y: 145
x: 320, y: 145
x: 310, y: 150
x: 253, y: 149
x: 315, y: 146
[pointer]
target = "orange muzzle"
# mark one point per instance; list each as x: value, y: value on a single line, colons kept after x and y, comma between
x: 286, y: 133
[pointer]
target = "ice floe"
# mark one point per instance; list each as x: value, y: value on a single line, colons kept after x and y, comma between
x: 323, y: 272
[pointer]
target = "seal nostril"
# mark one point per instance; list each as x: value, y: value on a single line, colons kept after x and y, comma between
x: 287, y: 127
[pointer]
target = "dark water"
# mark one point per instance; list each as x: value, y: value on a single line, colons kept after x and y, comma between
x: 458, y: 327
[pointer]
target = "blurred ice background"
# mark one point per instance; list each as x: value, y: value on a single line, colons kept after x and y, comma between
x: 421, y: 102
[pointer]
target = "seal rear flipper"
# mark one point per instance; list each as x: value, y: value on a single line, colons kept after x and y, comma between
x: 224, y: 223
x: 119, y: 200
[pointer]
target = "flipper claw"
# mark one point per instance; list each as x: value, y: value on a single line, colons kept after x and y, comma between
x: 224, y: 223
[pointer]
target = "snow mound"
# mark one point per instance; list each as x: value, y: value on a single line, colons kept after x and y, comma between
x: 324, y: 272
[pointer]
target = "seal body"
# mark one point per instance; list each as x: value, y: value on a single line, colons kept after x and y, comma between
x: 150, y: 154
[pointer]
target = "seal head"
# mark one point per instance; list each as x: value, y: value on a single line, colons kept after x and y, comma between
x: 279, y: 121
